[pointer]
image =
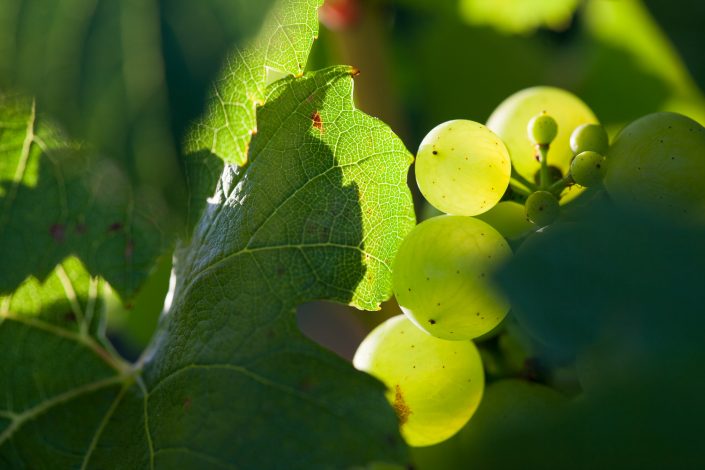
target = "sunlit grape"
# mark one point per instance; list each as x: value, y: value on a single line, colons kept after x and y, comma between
x: 462, y: 168
x: 510, y: 119
x: 434, y: 385
x: 441, y: 277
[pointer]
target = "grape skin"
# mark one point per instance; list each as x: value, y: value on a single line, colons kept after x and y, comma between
x: 441, y: 277
x: 588, y: 168
x: 542, y: 129
x: 542, y: 208
x: 657, y: 163
x: 435, y: 386
x: 509, y: 219
x: 510, y: 119
x: 462, y: 168
x: 589, y: 137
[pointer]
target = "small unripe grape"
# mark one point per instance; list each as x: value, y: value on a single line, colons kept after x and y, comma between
x: 588, y: 168
x: 542, y: 129
x: 509, y: 121
x: 542, y: 208
x: 589, y: 137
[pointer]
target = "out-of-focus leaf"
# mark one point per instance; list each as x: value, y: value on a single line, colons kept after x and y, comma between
x: 628, y: 56
x: 448, y: 70
x: 59, y: 199
x: 111, y: 72
x: 519, y: 16
x: 507, y: 405
x: 623, y: 294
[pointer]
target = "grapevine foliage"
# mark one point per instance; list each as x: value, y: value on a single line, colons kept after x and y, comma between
x: 113, y: 72
x: 57, y: 198
x: 317, y: 212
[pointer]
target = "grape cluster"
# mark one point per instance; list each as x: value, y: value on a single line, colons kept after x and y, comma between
x: 497, y: 184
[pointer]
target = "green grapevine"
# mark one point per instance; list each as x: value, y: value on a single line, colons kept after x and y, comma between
x: 441, y: 277
x: 462, y: 168
x: 435, y: 386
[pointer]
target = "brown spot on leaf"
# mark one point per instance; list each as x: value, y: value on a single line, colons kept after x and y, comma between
x: 317, y: 121
x: 306, y: 384
x: 187, y: 404
x: 115, y: 226
x: 402, y: 409
x: 57, y: 232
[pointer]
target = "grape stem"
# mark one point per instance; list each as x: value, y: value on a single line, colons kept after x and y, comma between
x: 557, y: 187
x: 519, y: 188
x: 542, y: 155
x: 517, y: 178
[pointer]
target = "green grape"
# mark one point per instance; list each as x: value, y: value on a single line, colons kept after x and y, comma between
x: 434, y: 385
x: 542, y: 129
x: 441, y: 277
x: 588, y: 168
x: 509, y: 120
x: 589, y: 137
x: 462, y: 168
x: 509, y: 219
x: 542, y: 208
x: 658, y: 163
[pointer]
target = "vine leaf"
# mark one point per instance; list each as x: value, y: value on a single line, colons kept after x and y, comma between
x: 223, y: 134
x: 57, y: 199
x: 229, y: 381
x: 318, y: 213
x: 59, y: 374
x: 280, y: 49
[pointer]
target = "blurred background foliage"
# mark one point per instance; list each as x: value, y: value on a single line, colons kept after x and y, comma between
x: 622, y: 366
